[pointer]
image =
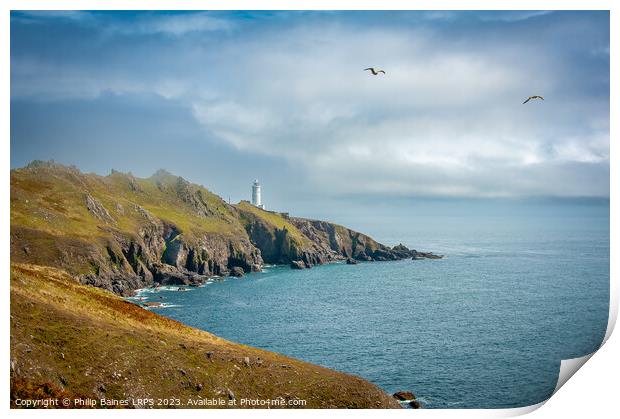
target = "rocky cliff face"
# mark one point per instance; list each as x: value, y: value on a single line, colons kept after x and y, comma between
x: 343, y: 242
x: 121, y: 233
x: 303, y: 243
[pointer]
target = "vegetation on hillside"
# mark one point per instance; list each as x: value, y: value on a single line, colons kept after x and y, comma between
x: 121, y: 233
x: 71, y: 340
x: 276, y: 220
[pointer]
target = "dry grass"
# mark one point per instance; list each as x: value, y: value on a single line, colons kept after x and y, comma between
x: 71, y: 339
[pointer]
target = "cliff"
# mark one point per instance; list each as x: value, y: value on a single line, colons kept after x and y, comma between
x: 74, y: 341
x: 120, y: 233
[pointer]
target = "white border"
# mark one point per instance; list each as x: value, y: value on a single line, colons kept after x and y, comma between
x: 593, y: 393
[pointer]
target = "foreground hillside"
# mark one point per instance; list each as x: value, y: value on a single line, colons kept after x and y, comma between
x: 120, y: 233
x: 70, y: 340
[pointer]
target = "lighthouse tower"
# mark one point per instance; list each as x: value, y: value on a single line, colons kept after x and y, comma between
x: 256, y: 195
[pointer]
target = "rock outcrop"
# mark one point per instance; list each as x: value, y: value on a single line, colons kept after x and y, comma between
x: 408, y: 398
x: 287, y: 240
x: 414, y: 404
x: 426, y: 255
x: 298, y: 264
x: 404, y: 396
x: 121, y: 233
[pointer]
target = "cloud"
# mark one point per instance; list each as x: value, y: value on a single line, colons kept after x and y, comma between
x: 175, y: 24
x: 514, y: 16
x: 32, y: 16
x: 446, y: 119
x: 602, y: 51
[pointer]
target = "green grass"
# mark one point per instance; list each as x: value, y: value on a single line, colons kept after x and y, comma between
x: 52, y: 201
x: 276, y: 220
x: 55, y: 202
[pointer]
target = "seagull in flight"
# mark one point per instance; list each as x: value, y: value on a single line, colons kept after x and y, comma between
x: 374, y: 71
x: 533, y: 97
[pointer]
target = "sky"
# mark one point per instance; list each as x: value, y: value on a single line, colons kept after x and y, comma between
x: 222, y: 98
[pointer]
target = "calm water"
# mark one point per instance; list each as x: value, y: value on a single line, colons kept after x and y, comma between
x: 485, y: 327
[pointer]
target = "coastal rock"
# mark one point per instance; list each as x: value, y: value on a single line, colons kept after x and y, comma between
x: 237, y: 271
x: 255, y: 267
x: 351, y: 261
x: 384, y: 254
x: 170, y: 275
x: 200, y: 236
x: 403, y: 396
x: 363, y: 256
x: 402, y: 252
x: 152, y: 304
x: 298, y: 264
x: 400, y: 248
x: 414, y: 404
x: 425, y: 255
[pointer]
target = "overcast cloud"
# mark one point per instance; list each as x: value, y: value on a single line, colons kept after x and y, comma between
x: 225, y: 97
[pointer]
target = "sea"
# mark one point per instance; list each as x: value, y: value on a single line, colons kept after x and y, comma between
x: 522, y: 285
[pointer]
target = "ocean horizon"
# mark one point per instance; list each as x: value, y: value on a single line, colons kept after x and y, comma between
x: 522, y: 286
x: 323, y: 209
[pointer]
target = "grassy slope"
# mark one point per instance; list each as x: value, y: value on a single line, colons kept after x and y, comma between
x: 68, y: 340
x: 48, y: 207
x: 50, y: 219
x: 53, y: 200
x: 276, y: 221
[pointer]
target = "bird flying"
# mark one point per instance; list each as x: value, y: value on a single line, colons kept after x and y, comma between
x: 533, y: 97
x: 374, y: 71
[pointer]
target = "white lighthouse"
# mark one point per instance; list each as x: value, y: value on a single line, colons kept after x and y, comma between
x: 256, y: 195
